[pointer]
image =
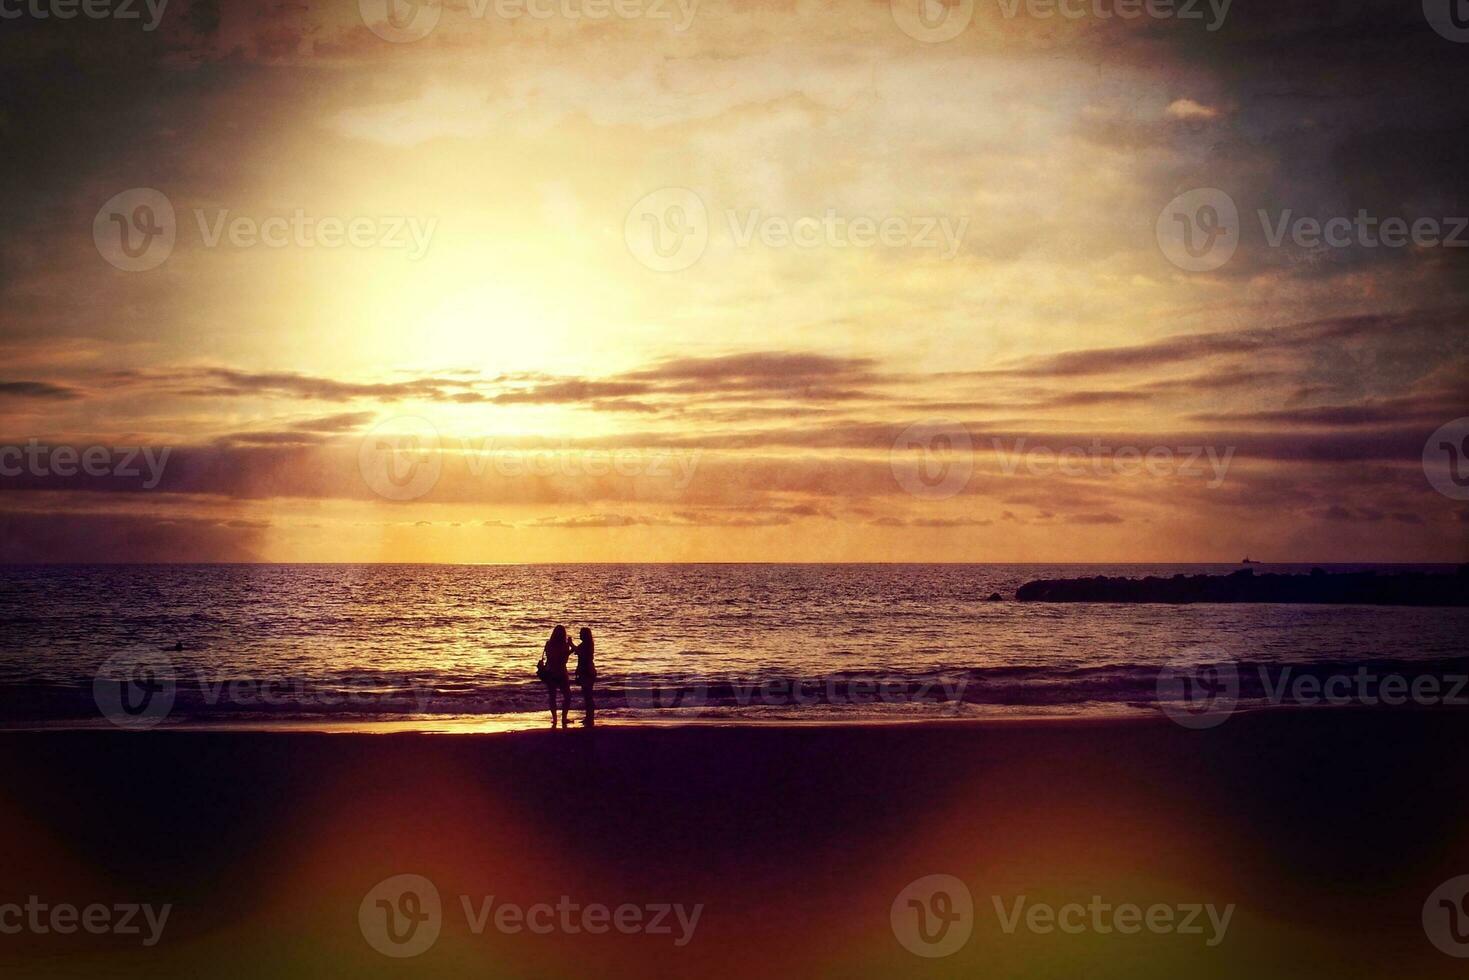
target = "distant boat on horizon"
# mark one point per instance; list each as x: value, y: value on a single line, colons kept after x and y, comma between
x: 1249, y: 561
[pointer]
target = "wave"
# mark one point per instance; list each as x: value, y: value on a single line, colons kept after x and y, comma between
x: 1104, y: 688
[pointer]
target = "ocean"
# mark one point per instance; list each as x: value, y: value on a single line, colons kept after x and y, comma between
x: 439, y: 647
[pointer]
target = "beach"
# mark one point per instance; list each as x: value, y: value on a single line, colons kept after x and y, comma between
x: 1298, y: 843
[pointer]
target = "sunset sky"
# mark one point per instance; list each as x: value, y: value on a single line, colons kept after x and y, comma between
x: 579, y: 395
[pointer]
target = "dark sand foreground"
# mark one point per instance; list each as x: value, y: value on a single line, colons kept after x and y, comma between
x: 1326, y: 829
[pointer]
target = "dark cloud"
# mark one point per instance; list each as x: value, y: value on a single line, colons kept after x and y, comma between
x: 273, y: 438
x: 931, y: 522
x: 226, y: 382
x: 82, y: 536
x: 795, y: 375
x: 1387, y: 412
x: 571, y: 391
x: 341, y: 422
x: 1187, y: 348
x: 37, y: 389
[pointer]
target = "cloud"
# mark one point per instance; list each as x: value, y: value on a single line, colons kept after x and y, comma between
x: 1189, y: 109
x: 1098, y: 518
x: 341, y: 422
x: 1202, y: 346
x: 1381, y: 413
x: 37, y: 389
x: 931, y: 522
x: 796, y: 375
x: 226, y: 382
x: 84, y: 536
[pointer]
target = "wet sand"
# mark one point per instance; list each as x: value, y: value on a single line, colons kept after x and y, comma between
x: 1326, y: 831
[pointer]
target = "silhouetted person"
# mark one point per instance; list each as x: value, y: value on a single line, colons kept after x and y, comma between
x: 552, y: 672
x: 586, y: 673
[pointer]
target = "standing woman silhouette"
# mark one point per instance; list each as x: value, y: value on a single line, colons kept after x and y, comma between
x: 552, y: 672
x: 586, y: 673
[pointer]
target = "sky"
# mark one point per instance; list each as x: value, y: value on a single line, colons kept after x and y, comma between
x: 689, y: 280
